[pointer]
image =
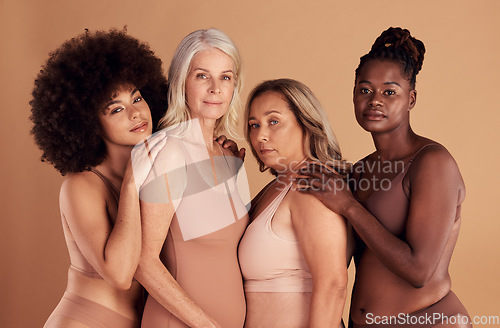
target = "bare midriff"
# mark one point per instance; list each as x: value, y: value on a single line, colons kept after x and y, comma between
x: 380, y: 292
x: 277, y: 310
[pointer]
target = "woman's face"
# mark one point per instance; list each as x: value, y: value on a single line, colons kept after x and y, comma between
x: 275, y: 134
x: 382, y: 97
x: 126, y: 119
x: 210, y: 84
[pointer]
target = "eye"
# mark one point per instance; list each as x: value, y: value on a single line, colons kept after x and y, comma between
x: 390, y: 92
x: 226, y: 78
x: 201, y: 75
x: 138, y: 99
x: 364, y: 91
x: 116, y: 110
x: 254, y: 125
x: 273, y: 122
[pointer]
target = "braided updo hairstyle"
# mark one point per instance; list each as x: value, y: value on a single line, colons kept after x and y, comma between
x: 397, y: 44
x: 75, y: 83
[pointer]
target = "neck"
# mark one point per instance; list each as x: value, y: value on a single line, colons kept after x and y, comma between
x: 207, y: 129
x: 395, y: 145
x: 116, y: 161
x: 291, y: 173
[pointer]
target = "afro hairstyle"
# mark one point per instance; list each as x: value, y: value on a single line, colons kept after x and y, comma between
x: 76, y: 82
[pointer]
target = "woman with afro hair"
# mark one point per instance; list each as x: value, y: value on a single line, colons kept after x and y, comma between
x: 405, y: 202
x: 97, y: 96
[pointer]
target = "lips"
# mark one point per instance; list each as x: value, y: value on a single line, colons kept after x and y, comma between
x: 211, y: 102
x: 374, y: 115
x: 140, y: 127
x: 265, y: 151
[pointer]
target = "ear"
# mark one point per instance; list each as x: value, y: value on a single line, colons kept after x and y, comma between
x: 413, y: 99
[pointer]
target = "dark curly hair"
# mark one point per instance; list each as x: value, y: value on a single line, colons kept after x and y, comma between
x: 397, y: 44
x: 75, y: 83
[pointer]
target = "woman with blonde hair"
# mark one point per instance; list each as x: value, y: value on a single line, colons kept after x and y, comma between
x: 192, y: 215
x: 294, y: 254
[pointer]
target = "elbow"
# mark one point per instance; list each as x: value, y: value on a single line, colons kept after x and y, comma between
x: 121, y: 281
x: 335, y: 288
x: 418, y: 283
x: 120, y: 278
x: 420, y: 277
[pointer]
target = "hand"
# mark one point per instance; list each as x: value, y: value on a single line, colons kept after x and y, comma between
x: 326, y: 184
x: 232, y: 146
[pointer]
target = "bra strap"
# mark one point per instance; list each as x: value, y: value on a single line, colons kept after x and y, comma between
x: 111, y: 187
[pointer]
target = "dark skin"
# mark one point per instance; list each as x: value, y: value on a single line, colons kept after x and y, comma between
x: 232, y: 146
x: 406, y: 273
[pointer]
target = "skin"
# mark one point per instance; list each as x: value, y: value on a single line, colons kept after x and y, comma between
x: 209, y: 89
x: 108, y: 234
x: 279, y: 140
x: 396, y: 275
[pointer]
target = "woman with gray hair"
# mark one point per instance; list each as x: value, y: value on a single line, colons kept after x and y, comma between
x: 192, y: 215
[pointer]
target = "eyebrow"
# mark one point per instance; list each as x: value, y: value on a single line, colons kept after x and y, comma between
x: 205, y: 70
x: 117, y: 101
x: 386, y: 83
x: 266, y: 114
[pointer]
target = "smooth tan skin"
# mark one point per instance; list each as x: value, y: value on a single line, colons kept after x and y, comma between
x: 108, y: 234
x: 278, y: 138
x: 392, y: 275
x: 209, y: 89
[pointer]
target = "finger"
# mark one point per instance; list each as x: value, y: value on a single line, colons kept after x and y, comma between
x: 241, y: 154
x: 309, y: 174
x: 309, y: 183
x: 221, y: 139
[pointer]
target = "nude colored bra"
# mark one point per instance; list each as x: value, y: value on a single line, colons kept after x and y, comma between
x: 268, y: 262
x: 78, y: 262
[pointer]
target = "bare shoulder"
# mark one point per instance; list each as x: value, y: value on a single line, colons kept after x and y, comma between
x: 434, y: 165
x: 308, y: 205
x: 83, y: 192
x: 434, y: 157
x: 84, y: 183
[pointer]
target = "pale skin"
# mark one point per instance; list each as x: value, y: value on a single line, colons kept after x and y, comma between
x: 108, y: 234
x: 209, y: 88
x: 278, y: 138
x: 398, y: 275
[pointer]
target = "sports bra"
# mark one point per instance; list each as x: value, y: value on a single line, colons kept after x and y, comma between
x: 268, y: 262
x: 78, y: 262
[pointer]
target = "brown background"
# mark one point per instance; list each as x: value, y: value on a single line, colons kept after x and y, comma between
x: 318, y: 43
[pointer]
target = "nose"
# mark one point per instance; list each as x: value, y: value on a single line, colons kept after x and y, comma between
x: 376, y: 100
x: 134, y: 112
x: 214, y: 87
x: 262, y: 135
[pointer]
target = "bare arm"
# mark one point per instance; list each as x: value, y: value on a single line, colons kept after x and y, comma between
x: 323, y: 239
x: 113, y: 251
x: 155, y: 277
x: 435, y: 190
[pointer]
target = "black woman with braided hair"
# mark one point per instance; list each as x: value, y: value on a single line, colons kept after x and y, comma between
x: 405, y: 199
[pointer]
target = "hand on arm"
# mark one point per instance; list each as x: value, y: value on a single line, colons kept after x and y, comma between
x: 435, y: 189
x: 323, y: 239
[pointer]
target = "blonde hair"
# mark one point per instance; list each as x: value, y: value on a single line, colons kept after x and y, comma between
x: 192, y: 44
x: 323, y: 145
